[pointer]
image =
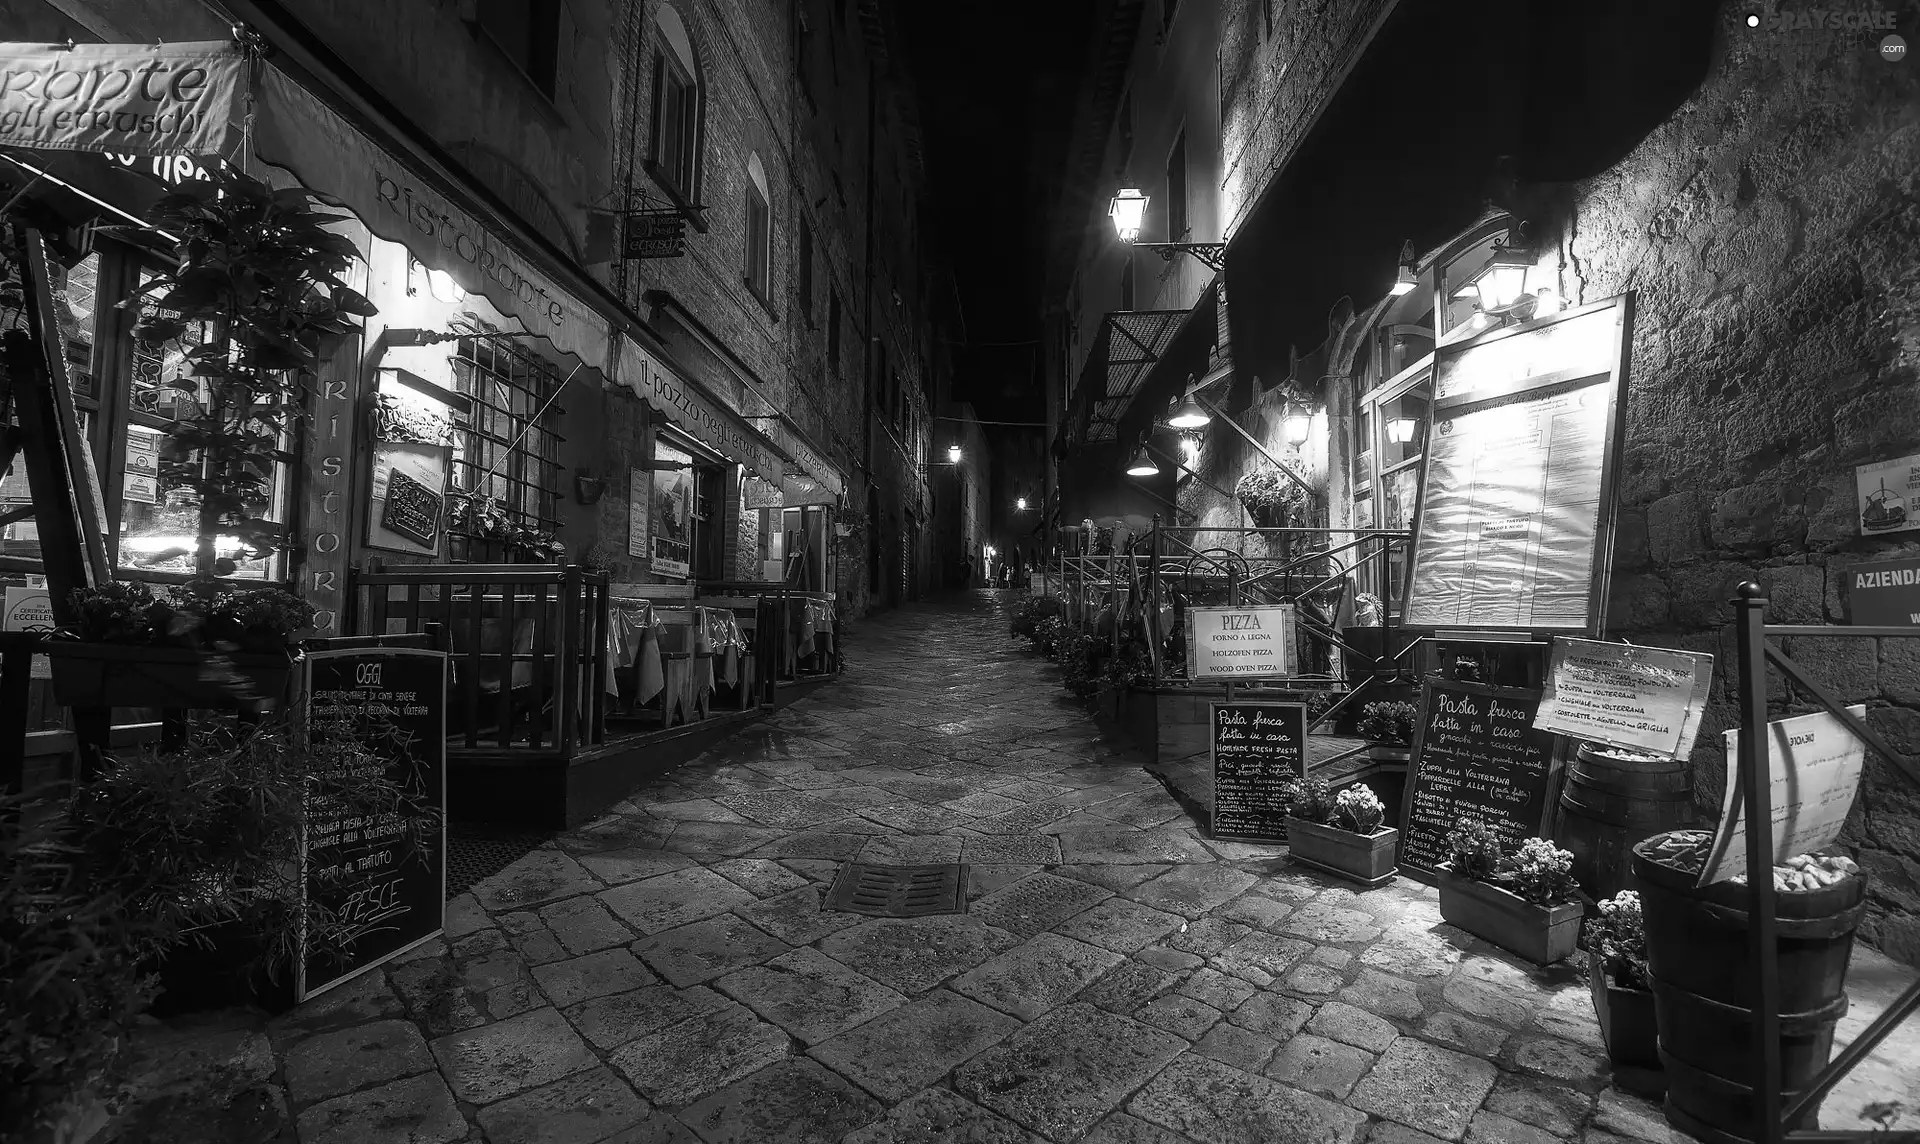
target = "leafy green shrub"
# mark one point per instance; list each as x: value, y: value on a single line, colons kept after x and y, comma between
x: 71, y: 982
x: 1313, y: 801
x: 205, y: 615
x: 1619, y: 938
x: 1359, y: 810
x: 1388, y: 723
x: 1474, y: 850
x: 1540, y: 872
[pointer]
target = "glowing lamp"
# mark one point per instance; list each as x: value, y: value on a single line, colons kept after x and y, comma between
x: 1189, y: 415
x: 1128, y: 210
x: 1400, y: 430
x: 953, y: 454
x: 1142, y: 465
x: 1299, y: 423
x: 1404, y: 284
x: 1501, y: 282
x: 1021, y: 504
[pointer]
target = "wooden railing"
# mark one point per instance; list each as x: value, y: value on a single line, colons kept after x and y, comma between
x: 775, y: 643
x: 528, y: 644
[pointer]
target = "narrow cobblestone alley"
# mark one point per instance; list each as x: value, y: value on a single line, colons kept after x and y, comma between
x: 668, y: 972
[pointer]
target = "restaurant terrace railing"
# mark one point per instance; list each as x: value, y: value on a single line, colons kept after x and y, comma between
x: 1162, y: 572
x: 527, y: 644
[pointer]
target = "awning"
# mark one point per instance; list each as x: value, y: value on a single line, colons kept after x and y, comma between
x: 294, y: 130
x: 1128, y: 342
x: 1185, y: 359
x: 811, y: 478
x: 708, y: 422
x: 297, y: 131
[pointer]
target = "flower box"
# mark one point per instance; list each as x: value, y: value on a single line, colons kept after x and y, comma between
x: 87, y: 674
x: 1628, y: 1027
x: 1364, y: 858
x: 1541, y: 934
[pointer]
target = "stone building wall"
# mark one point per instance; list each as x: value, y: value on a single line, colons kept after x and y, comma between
x: 1771, y: 233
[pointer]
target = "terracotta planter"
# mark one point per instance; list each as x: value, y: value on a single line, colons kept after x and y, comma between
x: 1626, y: 1019
x: 1541, y: 934
x: 125, y: 675
x: 1363, y: 858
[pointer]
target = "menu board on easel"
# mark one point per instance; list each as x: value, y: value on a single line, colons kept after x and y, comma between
x: 1515, y: 514
x: 1259, y: 750
x: 1476, y: 754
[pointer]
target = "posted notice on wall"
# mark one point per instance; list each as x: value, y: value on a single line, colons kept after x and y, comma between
x: 1642, y: 698
x: 1889, y: 495
x: 409, y: 496
x: 639, y: 489
x: 1884, y: 593
x: 31, y: 610
x: 1815, y: 764
x: 1240, y: 643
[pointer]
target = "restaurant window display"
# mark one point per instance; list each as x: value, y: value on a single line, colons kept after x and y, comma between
x: 126, y: 393
x: 505, y: 467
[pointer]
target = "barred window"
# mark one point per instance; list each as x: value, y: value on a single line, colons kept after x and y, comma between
x: 504, y: 446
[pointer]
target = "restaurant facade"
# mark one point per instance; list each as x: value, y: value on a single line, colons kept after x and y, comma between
x: 1732, y: 190
x: 603, y: 445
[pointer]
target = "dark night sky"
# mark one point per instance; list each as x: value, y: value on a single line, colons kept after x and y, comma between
x: 996, y: 81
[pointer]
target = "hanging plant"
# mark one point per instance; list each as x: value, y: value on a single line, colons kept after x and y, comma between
x: 486, y: 518
x: 260, y: 277
x: 1273, y: 500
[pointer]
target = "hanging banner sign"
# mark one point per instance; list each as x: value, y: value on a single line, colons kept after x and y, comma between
x: 1647, y: 699
x: 813, y: 466
x: 654, y: 234
x: 1813, y: 763
x: 686, y: 407
x: 297, y: 132
x: 139, y: 99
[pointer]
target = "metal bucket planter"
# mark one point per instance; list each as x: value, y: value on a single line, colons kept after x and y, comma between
x: 1541, y: 934
x: 1629, y: 1029
x: 1364, y: 858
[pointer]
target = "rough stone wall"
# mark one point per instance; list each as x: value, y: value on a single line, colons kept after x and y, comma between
x: 1771, y: 233
x: 1273, y: 81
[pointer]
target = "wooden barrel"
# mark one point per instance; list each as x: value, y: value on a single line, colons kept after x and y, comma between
x: 1698, y: 958
x: 1613, y: 799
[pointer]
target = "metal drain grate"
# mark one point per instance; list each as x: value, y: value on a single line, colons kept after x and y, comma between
x: 477, y: 852
x: 899, y: 891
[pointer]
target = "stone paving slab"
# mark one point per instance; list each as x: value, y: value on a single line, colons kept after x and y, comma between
x: 1064, y: 1072
x: 665, y: 974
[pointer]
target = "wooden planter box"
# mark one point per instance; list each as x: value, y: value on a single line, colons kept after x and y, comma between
x: 1363, y: 858
x: 1628, y: 1027
x: 127, y: 675
x: 1541, y: 934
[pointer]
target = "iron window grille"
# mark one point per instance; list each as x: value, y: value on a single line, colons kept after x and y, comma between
x: 505, y: 446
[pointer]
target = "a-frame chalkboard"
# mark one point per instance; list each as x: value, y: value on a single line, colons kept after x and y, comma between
x: 1476, y: 754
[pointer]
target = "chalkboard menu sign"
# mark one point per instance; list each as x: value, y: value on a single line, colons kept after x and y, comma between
x: 387, y: 886
x: 1258, y: 751
x: 1475, y: 754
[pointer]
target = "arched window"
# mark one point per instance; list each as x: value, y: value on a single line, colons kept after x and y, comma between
x: 673, y: 156
x: 759, y: 230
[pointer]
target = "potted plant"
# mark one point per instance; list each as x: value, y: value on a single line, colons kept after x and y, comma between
x: 1272, y: 499
x: 1388, y: 730
x: 71, y: 982
x: 486, y: 520
x: 1526, y: 902
x: 256, y: 288
x: 206, y: 843
x: 1622, y: 991
x: 200, y: 644
x: 1342, y: 834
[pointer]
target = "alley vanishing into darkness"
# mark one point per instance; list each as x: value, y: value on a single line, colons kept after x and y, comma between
x: 668, y: 972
